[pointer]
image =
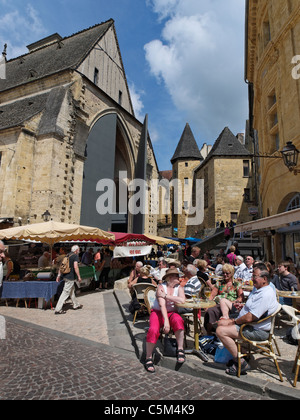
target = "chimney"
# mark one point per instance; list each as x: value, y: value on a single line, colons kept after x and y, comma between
x: 52, y: 39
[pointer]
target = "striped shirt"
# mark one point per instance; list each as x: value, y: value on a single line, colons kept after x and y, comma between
x: 192, y: 287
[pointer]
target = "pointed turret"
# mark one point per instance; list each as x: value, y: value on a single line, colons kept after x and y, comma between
x: 187, y: 147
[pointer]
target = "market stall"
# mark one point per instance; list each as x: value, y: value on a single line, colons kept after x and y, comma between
x: 40, y: 283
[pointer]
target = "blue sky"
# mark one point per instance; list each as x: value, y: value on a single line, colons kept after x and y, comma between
x: 184, y: 59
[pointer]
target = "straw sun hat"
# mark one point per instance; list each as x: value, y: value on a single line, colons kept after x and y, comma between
x: 170, y: 272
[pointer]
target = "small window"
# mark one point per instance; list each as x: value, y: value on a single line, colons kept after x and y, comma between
x: 186, y: 164
x: 247, y: 195
x: 186, y: 181
x: 96, y: 76
x: 233, y: 216
x: 246, y: 168
x: 120, y: 97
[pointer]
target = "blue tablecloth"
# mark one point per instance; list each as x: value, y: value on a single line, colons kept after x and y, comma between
x: 29, y: 289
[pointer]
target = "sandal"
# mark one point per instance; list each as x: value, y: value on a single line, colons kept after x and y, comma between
x: 180, y: 356
x: 233, y: 369
x: 149, y: 365
x: 60, y: 312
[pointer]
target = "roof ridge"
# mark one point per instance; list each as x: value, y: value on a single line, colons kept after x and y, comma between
x: 64, y: 38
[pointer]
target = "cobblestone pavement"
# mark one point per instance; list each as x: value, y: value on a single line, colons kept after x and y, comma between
x: 88, y: 354
x: 46, y: 365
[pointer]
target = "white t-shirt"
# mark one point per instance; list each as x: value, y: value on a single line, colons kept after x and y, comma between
x: 261, y: 303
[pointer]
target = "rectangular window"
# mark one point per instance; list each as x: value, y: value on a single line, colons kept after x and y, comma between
x: 233, y: 216
x: 96, y: 76
x: 246, y: 168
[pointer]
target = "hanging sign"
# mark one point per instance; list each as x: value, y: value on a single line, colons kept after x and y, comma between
x: 132, y: 251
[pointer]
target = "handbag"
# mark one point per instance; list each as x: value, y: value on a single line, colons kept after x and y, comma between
x: 170, y: 347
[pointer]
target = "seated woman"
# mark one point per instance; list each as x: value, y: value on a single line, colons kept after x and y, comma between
x: 144, y: 277
x: 164, y: 315
x: 230, y: 296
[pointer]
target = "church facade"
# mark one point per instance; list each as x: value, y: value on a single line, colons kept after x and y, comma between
x: 68, y: 134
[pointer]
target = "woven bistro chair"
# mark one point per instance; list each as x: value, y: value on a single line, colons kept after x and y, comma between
x: 265, y: 347
x: 296, y: 335
x: 149, y: 297
x: 139, y: 289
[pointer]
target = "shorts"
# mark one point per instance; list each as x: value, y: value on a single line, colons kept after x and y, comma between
x: 252, y: 334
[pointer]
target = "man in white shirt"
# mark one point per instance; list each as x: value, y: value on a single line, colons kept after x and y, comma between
x: 240, y: 267
x: 261, y: 303
x: 160, y: 271
x: 246, y: 274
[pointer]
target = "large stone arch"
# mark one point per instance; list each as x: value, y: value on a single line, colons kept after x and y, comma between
x: 109, y: 151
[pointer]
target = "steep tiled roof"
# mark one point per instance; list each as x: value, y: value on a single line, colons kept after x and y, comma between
x: 227, y: 144
x: 67, y: 53
x: 17, y: 113
x: 187, y: 147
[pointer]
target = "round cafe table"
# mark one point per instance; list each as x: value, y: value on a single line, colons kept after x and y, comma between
x: 195, y: 306
x: 291, y: 295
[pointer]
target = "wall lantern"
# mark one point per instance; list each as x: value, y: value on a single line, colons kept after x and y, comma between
x: 290, y: 156
x: 46, y: 216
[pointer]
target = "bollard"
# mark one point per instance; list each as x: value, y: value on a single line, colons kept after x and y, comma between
x: 2, y: 328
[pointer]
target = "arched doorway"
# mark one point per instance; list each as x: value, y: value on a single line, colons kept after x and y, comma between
x: 291, y: 233
x: 108, y: 154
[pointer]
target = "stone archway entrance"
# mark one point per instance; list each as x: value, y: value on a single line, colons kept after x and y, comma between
x: 108, y: 152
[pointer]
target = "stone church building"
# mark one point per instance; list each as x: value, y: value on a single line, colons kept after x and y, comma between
x: 67, y: 122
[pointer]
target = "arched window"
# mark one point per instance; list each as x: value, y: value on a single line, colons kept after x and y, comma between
x: 293, y: 205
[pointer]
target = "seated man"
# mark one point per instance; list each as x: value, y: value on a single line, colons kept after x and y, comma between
x: 285, y: 281
x: 261, y: 303
x: 192, y: 287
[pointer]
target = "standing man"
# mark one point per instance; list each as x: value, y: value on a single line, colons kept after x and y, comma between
x: 195, y: 254
x: 69, y: 278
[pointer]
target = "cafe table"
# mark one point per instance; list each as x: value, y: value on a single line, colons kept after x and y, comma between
x: 290, y: 295
x: 195, y: 305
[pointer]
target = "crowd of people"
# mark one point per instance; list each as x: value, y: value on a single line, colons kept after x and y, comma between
x: 180, y: 274
x: 225, y: 276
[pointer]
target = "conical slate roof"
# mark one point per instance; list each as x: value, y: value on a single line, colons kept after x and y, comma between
x: 227, y: 144
x: 187, y: 147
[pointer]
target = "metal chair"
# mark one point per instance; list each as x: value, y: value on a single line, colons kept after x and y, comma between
x: 139, y: 289
x: 296, y: 335
x: 265, y: 347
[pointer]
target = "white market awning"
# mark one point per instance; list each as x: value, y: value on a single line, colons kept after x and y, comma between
x: 272, y: 222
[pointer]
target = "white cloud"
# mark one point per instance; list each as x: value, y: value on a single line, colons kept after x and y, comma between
x: 137, y: 103
x: 199, y: 59
x: 19, y: 28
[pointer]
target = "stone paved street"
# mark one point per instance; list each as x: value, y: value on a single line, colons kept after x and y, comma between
x: 46, y: 365
x: 88, y: 354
